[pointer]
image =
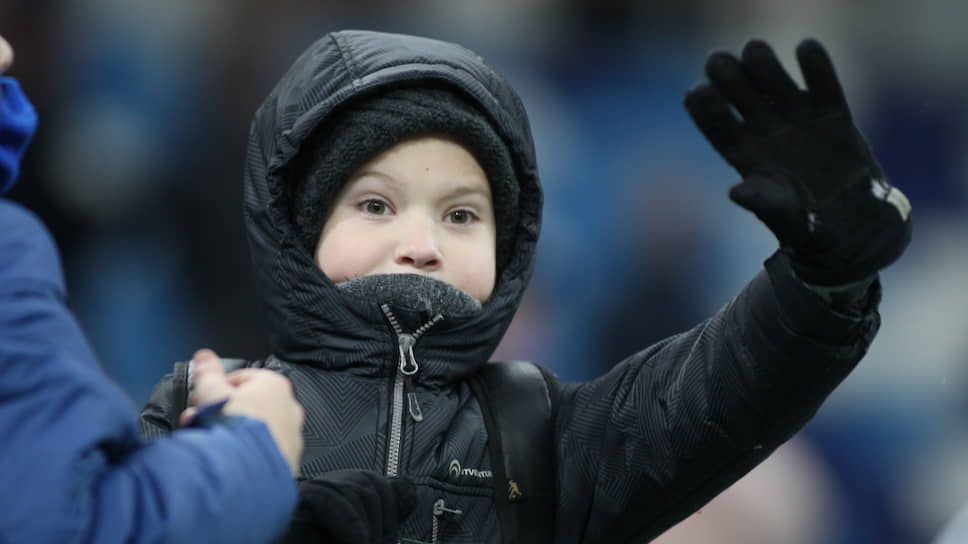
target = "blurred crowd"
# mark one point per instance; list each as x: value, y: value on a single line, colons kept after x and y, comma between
x: 137, y: 168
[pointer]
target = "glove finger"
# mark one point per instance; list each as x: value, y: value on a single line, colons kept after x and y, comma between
x: 375, y: 502
x: 820, y: 76
x: 406, y: 497
x: 301, y: 530
x: 714, y: 118
x: 397, y: 498
x: 381, y: 505
x: 369, y: 505
x: 727, y: 75
x: 773, y: 81
x: 775, y: 203
x: 349, y: 519
x: 334, y: 514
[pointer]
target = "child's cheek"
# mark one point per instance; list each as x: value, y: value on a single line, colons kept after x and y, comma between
x: 337, y: 258
x: 478, y: 278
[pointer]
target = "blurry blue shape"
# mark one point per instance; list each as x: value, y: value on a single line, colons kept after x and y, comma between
x: 627, y: 103
x: 919, y: 137
x: 135, y: 300
x: 868, y: 452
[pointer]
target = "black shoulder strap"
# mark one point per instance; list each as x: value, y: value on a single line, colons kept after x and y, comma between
x: 181, y: 384
x: 179, y: 391
x: 519, y: 401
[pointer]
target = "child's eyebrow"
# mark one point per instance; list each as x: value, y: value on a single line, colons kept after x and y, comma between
x: 377, y: 176
x: 462, y: 188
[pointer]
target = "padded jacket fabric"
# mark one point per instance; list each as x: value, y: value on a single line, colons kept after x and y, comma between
x: 636, y: 450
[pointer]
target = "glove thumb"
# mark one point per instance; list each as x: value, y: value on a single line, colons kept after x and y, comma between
x: 776, y: 204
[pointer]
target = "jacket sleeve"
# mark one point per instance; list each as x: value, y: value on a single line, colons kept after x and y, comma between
x: 75, y: 468
x: 664, y: 431
x: 158, y: 416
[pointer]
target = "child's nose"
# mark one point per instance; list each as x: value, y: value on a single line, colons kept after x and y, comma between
x: 418, y: 246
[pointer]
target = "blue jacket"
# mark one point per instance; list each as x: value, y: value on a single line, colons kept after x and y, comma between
x: 72, y: 465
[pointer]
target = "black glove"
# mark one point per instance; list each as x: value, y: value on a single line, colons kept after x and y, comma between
x: 807, y: 171
x: 351, y: 507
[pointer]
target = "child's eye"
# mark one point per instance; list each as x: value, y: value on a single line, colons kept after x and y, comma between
x: 375, y: 207
x: 461, y: 217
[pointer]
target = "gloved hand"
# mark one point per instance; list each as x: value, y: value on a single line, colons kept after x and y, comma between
x: 807, y: 171
x: 351, y: 507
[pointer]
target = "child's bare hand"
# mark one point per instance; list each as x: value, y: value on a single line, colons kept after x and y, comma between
x: 252, y: 392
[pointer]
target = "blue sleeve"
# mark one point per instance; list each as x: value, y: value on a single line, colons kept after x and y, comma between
x: 74, y: 468
x: 18, y: 120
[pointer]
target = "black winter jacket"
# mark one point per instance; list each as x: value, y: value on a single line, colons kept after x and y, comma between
x: 637, y: 449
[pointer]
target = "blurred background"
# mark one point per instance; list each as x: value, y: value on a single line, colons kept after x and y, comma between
x: 137, y: 169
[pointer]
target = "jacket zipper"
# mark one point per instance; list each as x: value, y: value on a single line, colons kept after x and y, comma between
x: 413, y: 406
x: 406, y: 368
x: 440, y: 508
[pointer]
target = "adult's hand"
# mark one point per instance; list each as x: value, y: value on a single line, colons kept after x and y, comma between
x: 6, y: 55
x: 251, y: 392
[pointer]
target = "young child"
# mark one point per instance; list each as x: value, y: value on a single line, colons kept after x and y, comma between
x: 393, y: 206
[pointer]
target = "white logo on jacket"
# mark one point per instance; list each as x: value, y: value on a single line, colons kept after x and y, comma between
x: 456, y: 471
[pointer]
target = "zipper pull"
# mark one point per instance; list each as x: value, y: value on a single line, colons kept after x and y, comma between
x: 440, y: 507
x: 413, y: 405
x: 408, y: 363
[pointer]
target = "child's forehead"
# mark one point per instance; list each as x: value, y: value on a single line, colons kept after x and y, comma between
x: 431, y: 155
x: 434, y: 143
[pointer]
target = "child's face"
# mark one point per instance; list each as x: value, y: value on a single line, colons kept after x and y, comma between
x: 422, y: 206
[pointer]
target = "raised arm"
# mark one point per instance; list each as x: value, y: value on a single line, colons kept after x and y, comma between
x: 669, y: 428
